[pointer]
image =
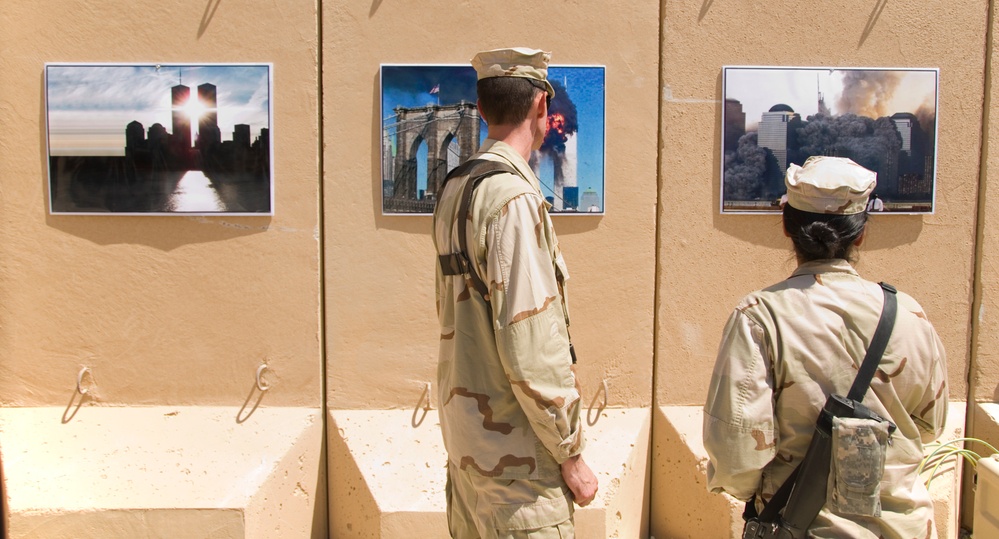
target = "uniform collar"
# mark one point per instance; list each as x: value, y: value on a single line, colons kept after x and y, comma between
x: 504, y: 150
x: 831, y: 265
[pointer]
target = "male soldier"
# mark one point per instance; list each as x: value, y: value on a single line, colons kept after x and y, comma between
x: 510, y: 405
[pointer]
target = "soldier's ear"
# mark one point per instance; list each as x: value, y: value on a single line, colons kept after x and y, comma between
x: 860, y: 238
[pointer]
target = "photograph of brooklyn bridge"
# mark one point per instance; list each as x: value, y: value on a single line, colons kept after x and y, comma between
x: 884, y: 119
x: 159, y: 139
x: 430, y: 125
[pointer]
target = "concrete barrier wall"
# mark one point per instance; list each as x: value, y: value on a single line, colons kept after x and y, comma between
x: 337, y: 299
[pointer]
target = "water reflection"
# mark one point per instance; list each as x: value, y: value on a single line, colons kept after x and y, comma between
x: 195, y: 193
x: 113, y: 184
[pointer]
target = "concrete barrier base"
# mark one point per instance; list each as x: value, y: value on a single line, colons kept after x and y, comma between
x: 388, y: 474
x: 683, y: 508
x: 151, y: 472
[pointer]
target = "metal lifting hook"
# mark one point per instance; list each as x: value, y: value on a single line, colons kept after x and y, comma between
x: 79, y: 381
x: 260, y: 381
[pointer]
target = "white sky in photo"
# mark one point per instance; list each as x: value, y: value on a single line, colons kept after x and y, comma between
x: 892, y: 91
x: 89, y: 106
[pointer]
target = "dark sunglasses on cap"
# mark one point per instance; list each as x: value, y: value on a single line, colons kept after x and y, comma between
x: 540, y: 86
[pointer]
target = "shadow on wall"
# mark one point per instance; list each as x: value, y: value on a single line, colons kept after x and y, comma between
x: 165, y: 233
x: 162, y: 233
x: 704, y: 9
x: 872, y: 21
x: 258, y: 388
x: 887, y: 231
x: 82, y: 391
x: 206, y: 19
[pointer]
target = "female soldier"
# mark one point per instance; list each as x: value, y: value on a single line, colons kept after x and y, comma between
x: 786, y: 348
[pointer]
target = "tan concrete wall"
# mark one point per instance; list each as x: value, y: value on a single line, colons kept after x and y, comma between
x: 984, y: 371
x: 180, y: 311
x: 164, y: 310
x: 382, y: 326
x: 708, y: 261
x: 985, y: 375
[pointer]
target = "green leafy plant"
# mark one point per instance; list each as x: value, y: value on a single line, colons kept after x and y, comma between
x: 953, y: 449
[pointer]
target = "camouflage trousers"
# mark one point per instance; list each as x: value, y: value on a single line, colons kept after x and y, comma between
x: 484, y: 508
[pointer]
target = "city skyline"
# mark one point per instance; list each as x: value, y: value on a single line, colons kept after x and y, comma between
x: 158, y: 139
x: 89, y: 105
x: 883, y: 119
x: 420, y: 86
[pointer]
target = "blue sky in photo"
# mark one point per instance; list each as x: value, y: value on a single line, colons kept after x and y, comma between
x: 90, y: 105
x: 410, y: 85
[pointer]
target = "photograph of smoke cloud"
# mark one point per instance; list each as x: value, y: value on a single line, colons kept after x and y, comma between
x: 430, y: 125
x: 159, y: 139
x: 883, y: 119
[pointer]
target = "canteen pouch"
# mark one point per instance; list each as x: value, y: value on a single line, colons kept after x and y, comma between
x: 857, y: 465
x: 812, y: 489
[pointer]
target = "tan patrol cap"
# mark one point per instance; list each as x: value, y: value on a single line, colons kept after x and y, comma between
x: 832, y: 185
x: 515, y: 62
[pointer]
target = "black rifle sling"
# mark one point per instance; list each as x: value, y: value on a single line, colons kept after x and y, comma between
x: 860, y: 384
x: 878, y: 344
x: 460, y: 263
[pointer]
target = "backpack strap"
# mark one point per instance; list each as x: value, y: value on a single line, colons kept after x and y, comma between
x: 460, y: 262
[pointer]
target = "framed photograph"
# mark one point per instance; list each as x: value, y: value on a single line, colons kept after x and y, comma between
x: 885, y: 119
x: 159, y: 139
x: 430, y: 125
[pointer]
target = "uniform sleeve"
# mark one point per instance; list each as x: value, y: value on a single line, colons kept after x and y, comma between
x: 930, y: 414
x: 739, y: 433
x: 531, y: 334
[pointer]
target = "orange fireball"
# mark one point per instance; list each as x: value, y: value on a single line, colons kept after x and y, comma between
x: 556, y: 122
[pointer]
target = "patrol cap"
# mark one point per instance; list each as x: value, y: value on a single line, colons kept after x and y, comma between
x: 832, y: 185
x: 515, y: 62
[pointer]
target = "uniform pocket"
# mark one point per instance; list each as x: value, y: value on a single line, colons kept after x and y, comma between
x: 857, y: 467
x: 542, y: 513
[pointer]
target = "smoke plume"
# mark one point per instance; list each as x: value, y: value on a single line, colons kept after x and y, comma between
x: 562, y: 120
x: 867, y: 141
x: 926, y: 114
x: 868, y: 93
x: 746, y: 170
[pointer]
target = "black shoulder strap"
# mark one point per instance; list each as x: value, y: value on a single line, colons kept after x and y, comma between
x: 459, y: 263
x: 860, y: 384
x: 878, y: 344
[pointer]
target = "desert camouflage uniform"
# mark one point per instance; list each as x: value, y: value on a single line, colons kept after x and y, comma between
x: 509, y: 404
x: 787, y: 347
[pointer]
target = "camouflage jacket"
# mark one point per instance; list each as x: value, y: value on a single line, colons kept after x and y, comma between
x: 784, y: 350
x: 509, y: 404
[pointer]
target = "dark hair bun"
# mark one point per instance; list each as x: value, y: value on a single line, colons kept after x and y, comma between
x: 819, y: 240
x: 819, y: 236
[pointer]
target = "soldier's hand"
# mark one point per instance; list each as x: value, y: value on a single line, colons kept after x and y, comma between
x: 580, y: 479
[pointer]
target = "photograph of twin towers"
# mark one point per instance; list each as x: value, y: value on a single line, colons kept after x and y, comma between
x: 159, y: 139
